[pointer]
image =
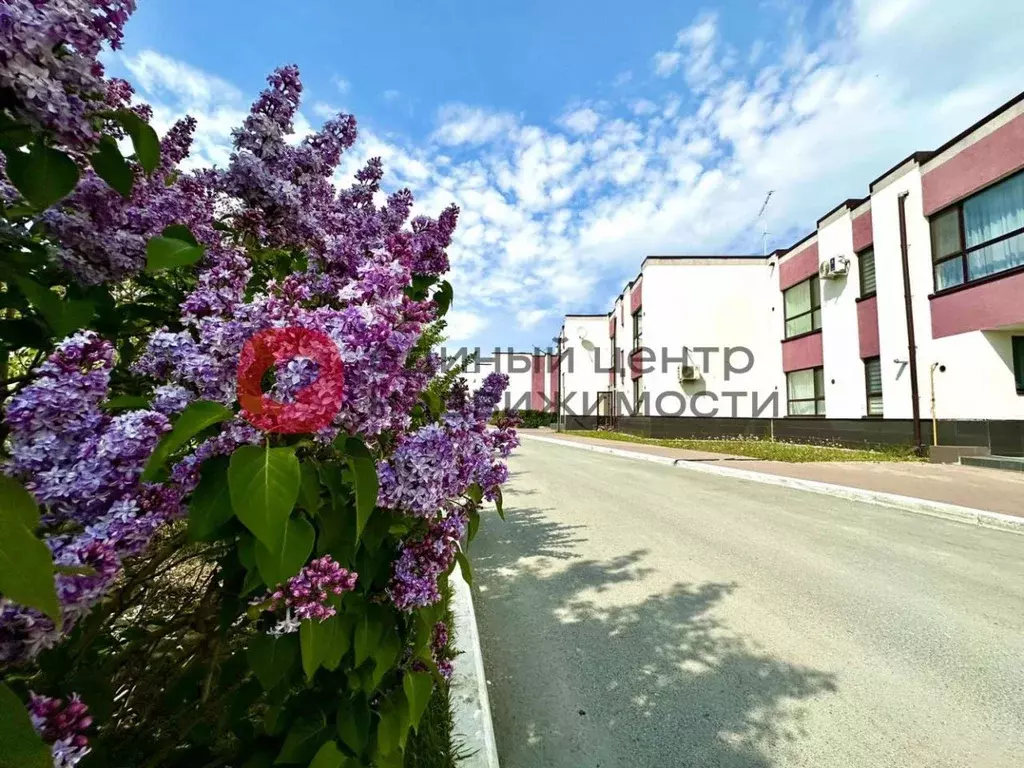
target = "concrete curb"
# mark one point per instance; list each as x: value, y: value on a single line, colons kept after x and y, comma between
x: 953, y: 512
x: 471, y: 705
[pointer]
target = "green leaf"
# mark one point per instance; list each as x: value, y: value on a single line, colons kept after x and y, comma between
x: 309, y: 490
x: 417, y: 686
x: 475, y: 493
x: 286, y: 558
x: 169, y: 252
x: 354, y: 723
x: 323, y: 643
x: 21, y: 745
x: 144, y: 138
x: 180, y: 232
x: 112, y: 167
x: 328, y: 757
x: 42, y: 175
x: 303, y: 741
x: 26, y: 564
x: 499, y: 502
x: 394, y: 723
x: 467, y: 571
x: 63, y: 316
x: 368, y: 631
x: 193, y: 420
x: 210, y: 508
x: 474, y: 525
x: 384, y: 657
x: 125, y: 402
x: 443, y: 297
x: 271, y: 657
x: 364, y: 472
x: 432, y: 401
x: 264, y: 484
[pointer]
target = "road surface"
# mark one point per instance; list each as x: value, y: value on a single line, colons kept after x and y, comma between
x: 642, y: 616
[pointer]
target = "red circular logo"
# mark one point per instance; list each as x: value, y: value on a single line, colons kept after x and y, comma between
x: 315, y: 405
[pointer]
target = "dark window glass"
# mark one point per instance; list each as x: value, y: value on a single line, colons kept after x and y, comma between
x: 873, y: 380
x: 638, y: 330
x: 866, y: 263
x: 1018, y: 362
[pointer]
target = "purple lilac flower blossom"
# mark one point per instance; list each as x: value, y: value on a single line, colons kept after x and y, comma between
x: 49, y: 61
x: 63, y: 726
x: 423, y: 560
x: 305, y: 596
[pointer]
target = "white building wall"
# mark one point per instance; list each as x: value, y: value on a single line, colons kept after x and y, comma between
x: 978, y: 381
x: 845, y: 388
x: 892, y: 321
x: 518, y: 395
x: 584, y: 368
x: 718, y: 304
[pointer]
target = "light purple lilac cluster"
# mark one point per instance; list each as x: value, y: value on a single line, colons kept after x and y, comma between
x: 83, y: 464
x: 306, y: 595
x: 49, y: 62
x: 427, y: 474
x: 423, y: 559
x: 63, y: 726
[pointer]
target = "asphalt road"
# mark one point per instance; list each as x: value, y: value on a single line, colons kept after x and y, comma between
x: 642, y: 616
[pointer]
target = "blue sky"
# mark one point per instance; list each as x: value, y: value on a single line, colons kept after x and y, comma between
x: 579, y: 137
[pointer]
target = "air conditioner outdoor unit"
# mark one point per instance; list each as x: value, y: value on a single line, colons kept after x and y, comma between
x: 833, y: 268
x: 688, y: 373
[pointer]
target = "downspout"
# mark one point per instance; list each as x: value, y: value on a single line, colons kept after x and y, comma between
x: 911, y: 337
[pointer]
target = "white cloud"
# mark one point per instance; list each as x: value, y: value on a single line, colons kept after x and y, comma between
x: 583, y: 120
x: 326, y: 111
x: 464, y: 325
x: 528, y: 318
x: 666, y: 62
x: 391, y: 94
x: 622, y: 78
x: 341, y: 84
x: 461, y: 124
x: 556, y: 219
x: 161, y: 75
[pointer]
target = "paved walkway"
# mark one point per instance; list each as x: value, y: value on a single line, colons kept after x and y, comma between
x: 988, y: 489
x: 633, y: 615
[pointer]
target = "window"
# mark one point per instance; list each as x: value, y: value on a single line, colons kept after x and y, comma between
x: 638, y: 331
x: 803, y: 307
x: 615, y: 355
x: 1018, y: 363
x: 638, y: 388
x: 981, y: 236
x: 866, y: 264
x: 806, y: 391
x: 873, y: 380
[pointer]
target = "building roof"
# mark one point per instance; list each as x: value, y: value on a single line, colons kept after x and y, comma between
x: 850, y: 203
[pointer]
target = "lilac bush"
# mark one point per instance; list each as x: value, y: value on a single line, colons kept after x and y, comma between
x: 188, y: 547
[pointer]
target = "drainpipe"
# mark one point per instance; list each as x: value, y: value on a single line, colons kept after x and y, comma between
x: 911, y: 338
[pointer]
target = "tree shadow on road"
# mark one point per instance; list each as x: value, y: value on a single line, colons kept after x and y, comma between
x: 587, y: 670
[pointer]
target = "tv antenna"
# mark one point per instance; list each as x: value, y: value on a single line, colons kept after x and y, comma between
x: 764, y: 223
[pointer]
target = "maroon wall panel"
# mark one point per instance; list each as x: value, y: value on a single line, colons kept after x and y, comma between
x: 805, y: 352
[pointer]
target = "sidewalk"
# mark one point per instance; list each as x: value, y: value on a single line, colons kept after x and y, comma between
x: 974, y: 487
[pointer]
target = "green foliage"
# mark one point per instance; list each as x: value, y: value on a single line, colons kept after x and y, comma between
x: 144, y: 138
x: 22, y: 747
x: 264, y: 484
x: 176, y: 247
x: 26, y: 565
x: 111, y: 166
x: 193, y: 420
x: 768, y: 450
x: 279, y: 563
x: 43, y: 175
x: 210, y: 509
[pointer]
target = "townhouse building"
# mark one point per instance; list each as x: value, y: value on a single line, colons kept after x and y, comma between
x: 532, y: 377
x: 898, y: 319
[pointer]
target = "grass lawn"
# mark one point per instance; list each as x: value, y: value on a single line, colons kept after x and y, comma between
x: 769, y: 450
